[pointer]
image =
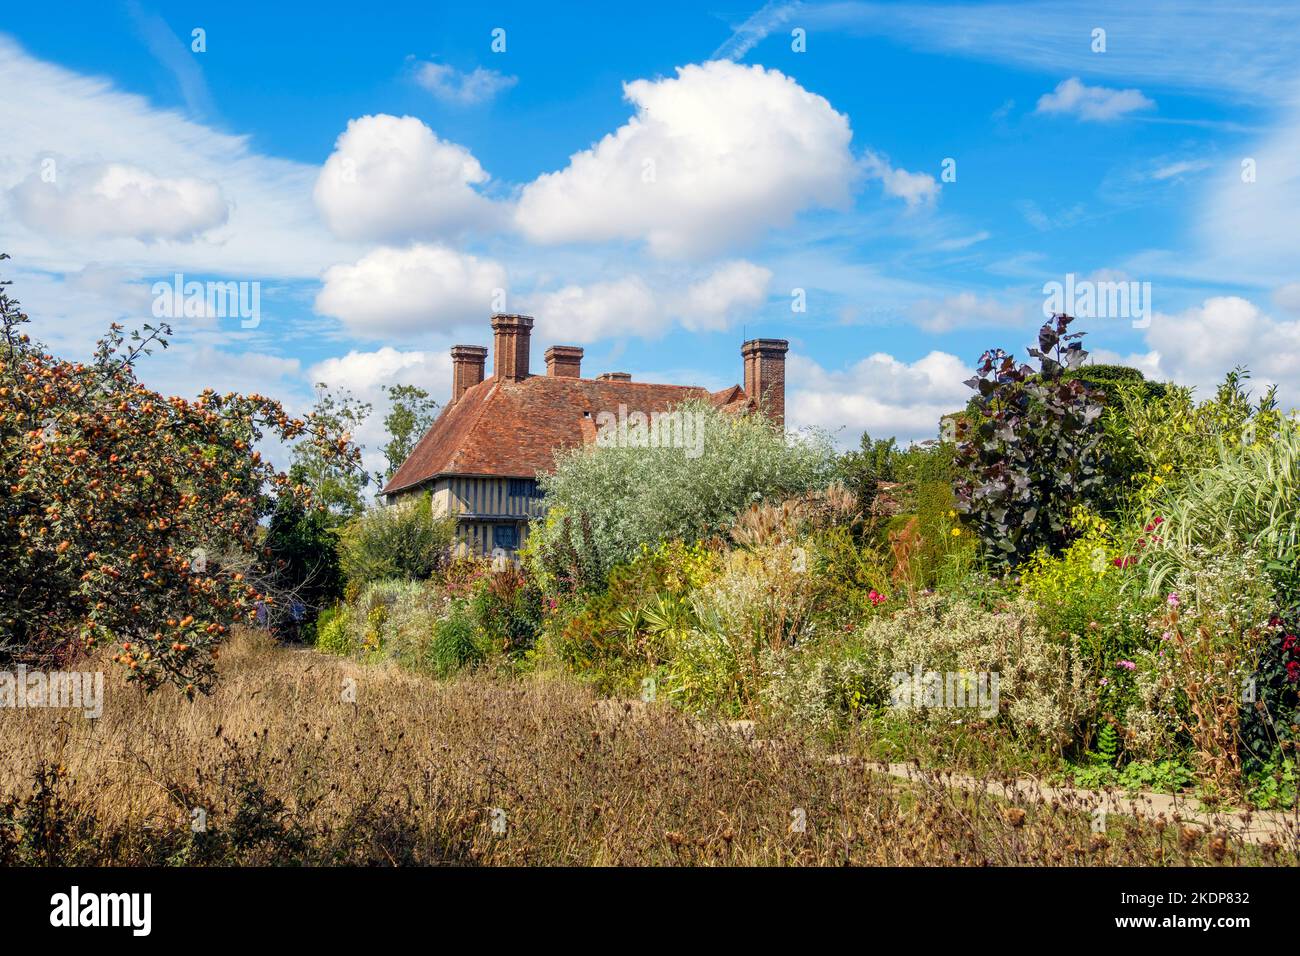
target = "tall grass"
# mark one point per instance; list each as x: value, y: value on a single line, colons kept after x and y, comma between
x: 1249, y: 497
x: 404, y: 770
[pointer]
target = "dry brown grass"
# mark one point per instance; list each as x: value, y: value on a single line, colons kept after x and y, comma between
x: 289, y: 773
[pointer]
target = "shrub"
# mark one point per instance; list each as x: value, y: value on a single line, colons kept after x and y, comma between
x: 777, y: 593
x: 1211, y: 631
x: 605, y: 636
x: 1035, y: 450
x: 852, y: 577
x: 402, y: 540
x: 1231, y: 506
x: 508, y: 611
x: 819, y: 686
x: 332, y: 635
x: 1046, y: 692
x: 1173, y: 437
x: 863, y: 471
x: 392, y: 619
x: 411, y: 623
x: 129, y: 520
x: 1124, y: 392
x: 1080, y: 597
x: 928, y: 545
x: 456, y: 643
x: 628, y: 497
x: 762, y: 599
x: 1118, y: 380
x: 1271, y: 721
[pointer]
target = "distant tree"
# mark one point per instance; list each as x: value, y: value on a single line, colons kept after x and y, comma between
x: 305, y: 574
x: 1124, y: 391
x: 335, y: 486
x: 1117, y: 380
x: 412, y: 412
x: 862, y: 471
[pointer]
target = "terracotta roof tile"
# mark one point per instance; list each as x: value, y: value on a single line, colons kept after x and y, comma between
x: 512, y: 429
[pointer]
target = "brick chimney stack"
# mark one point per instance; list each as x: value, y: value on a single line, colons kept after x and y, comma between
x: 511, y: 335
x: 466, y: 369
x: 564, y: 361
x: 765, y: 375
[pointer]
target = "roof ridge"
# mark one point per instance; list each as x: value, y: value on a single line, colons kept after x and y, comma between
x: 391, y: 487
x: 514, y: 429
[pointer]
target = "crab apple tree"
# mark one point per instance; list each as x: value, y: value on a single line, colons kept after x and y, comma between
x: 129, y: 520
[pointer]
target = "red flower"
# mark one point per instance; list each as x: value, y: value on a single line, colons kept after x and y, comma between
x: 1293, y: 670
x: 1123, y: 562
x: 1289, y: 642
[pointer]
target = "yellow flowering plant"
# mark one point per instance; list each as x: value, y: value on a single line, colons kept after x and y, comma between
x: 1176, y: 436
x: 1081, y: 599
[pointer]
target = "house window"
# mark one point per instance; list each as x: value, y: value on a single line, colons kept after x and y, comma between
x: 505, y: 536
x: 524, y: 488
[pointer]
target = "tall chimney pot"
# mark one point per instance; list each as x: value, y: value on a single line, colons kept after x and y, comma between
x: 765, y: 375
x: 466, y: 369
x: 511, y: 335
x: 564, y: 361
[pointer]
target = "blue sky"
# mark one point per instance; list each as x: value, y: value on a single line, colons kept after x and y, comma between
x: 656, y: 183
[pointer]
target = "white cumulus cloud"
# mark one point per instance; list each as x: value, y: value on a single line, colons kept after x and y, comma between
x: 392, y: 178
x: 632, y: 306
x: 1094, y: 103
x: 714, y: 301
x: 713, y: 156
x: 879, y: 394
x: 367, y: 375
x: 463, y: 89
x: 913, y: 188
x: 1287, y: 297
x: 116, y: 200
x: 1199, y: 345
x: 413, y: 291
x: 1247, y: 219
x: 267, y: 226
x: 578, y: 313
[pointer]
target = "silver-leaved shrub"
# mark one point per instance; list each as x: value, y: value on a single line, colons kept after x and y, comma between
x: 606, y: 502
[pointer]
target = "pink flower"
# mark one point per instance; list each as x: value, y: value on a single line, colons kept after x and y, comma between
x: 1127, y: 665
x: 1173, y: 599
x: 877, y: 598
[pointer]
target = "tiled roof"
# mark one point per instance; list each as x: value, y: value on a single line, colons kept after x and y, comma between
x: 512, y: 429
